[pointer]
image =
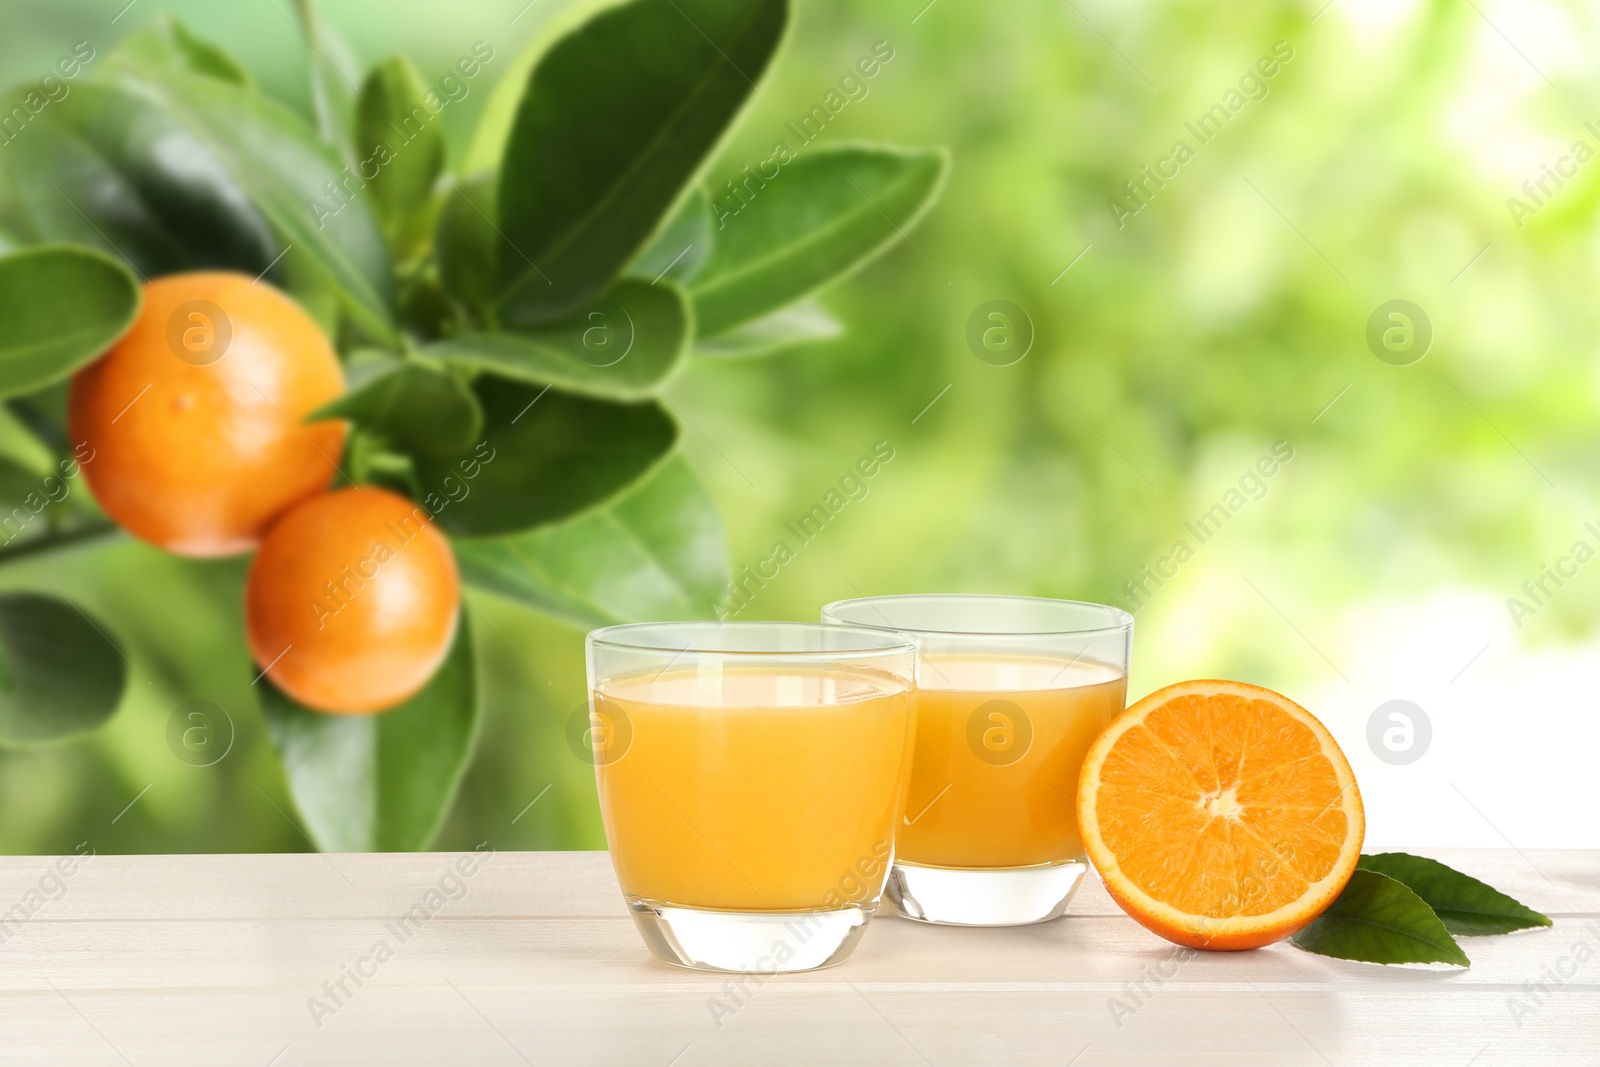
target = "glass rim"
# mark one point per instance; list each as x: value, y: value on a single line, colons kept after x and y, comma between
x: 875, y: 641
x: 1123, y: 623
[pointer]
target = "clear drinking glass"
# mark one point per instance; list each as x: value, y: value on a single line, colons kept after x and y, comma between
x: 751, y: 776
x: 1009, y: 693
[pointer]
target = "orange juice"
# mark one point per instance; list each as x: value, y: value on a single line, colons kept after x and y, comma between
x: 1000, y: 740
x: 754, y: 788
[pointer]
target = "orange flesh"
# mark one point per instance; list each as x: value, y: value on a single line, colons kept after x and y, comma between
x: 1221, y: 806
x: 1242, y: 823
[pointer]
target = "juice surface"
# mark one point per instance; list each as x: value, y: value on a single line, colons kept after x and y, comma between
x: 755, y: 788
x: 999, y: 744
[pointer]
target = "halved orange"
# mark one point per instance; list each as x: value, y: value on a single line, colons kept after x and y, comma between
x: 1220, y: 815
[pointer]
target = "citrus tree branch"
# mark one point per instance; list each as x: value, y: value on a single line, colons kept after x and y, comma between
x: 58, y: 540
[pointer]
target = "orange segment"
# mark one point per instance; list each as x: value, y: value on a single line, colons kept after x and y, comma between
x: 1221, y: 815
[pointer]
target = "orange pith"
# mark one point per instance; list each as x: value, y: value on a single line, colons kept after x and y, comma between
x: 1220, y: 815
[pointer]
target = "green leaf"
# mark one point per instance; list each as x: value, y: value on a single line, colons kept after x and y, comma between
x: 618, y: 119
x: 682, y: 246
x: 465, y: 241
x: 15, y: 229
x: 109, y: 168
x: 546, y: 455
x: 1468, y: 907
x: 420, y: 409
x: 493, y: 129
x: 383, y: 782
x: 165, y: 42
x: 22, y: 447
x: 820, y: 217
x: 656, y: 552
x: 271, y: 156
x: 332, y: 69
x: 622, y: 345
x: 60, y: 675
x: 397, y: 134
x: 1379, y: 920
x: 802, y: 323
x: 59, y: 309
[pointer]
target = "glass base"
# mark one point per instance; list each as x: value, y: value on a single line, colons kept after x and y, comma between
x: 966, y: 896
x: 745, y: 942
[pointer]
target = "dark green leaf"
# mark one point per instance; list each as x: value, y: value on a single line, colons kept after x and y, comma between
x: 1379, y: 920
x: 59, y: 309
x: 623, y: 345
x: 681, y: 248
x: 109, y: 168
x: 817, y: 218
x: 796, y: 324
x: 487, y: 146
x: 1468, y: 907
x: 546, y: 455
x: 166, y: 42
x: 465, y: 241
x: 44, y: 411
x: 657, y: 552
x: 383, y: 782
x: 420, y: 409
x: 282, y: 170
x: 398, y: 138
x: 425, y: 310
x: 618, y: 119
x: 60, y: 675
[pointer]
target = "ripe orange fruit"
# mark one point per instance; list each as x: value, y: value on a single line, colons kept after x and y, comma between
x: 351, y: 601
x: 1221, y: 815
x: 195, y: 415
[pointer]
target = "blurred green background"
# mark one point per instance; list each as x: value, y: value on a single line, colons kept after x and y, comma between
x: 1229, y: 314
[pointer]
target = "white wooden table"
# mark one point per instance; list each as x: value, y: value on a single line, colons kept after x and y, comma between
x: 215, y: 960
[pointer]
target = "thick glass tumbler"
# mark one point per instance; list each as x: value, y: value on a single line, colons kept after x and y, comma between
x: 751, y: 776
x: 1009, y: 693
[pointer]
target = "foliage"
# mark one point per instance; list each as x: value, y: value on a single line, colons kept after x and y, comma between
x: 507, y: 331
x: 1399, y: 908
x: 1171, y: 356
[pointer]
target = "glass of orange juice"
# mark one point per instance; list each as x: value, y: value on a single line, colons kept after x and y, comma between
x: 1009, y: 693
x: 751, y: 776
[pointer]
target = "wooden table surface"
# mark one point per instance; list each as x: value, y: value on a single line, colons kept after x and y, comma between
x: 530, y: 958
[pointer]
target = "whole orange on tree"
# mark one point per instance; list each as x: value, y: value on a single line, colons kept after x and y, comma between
x: 197, y: 416
x: 504, y: 344
x: 351, y: 602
